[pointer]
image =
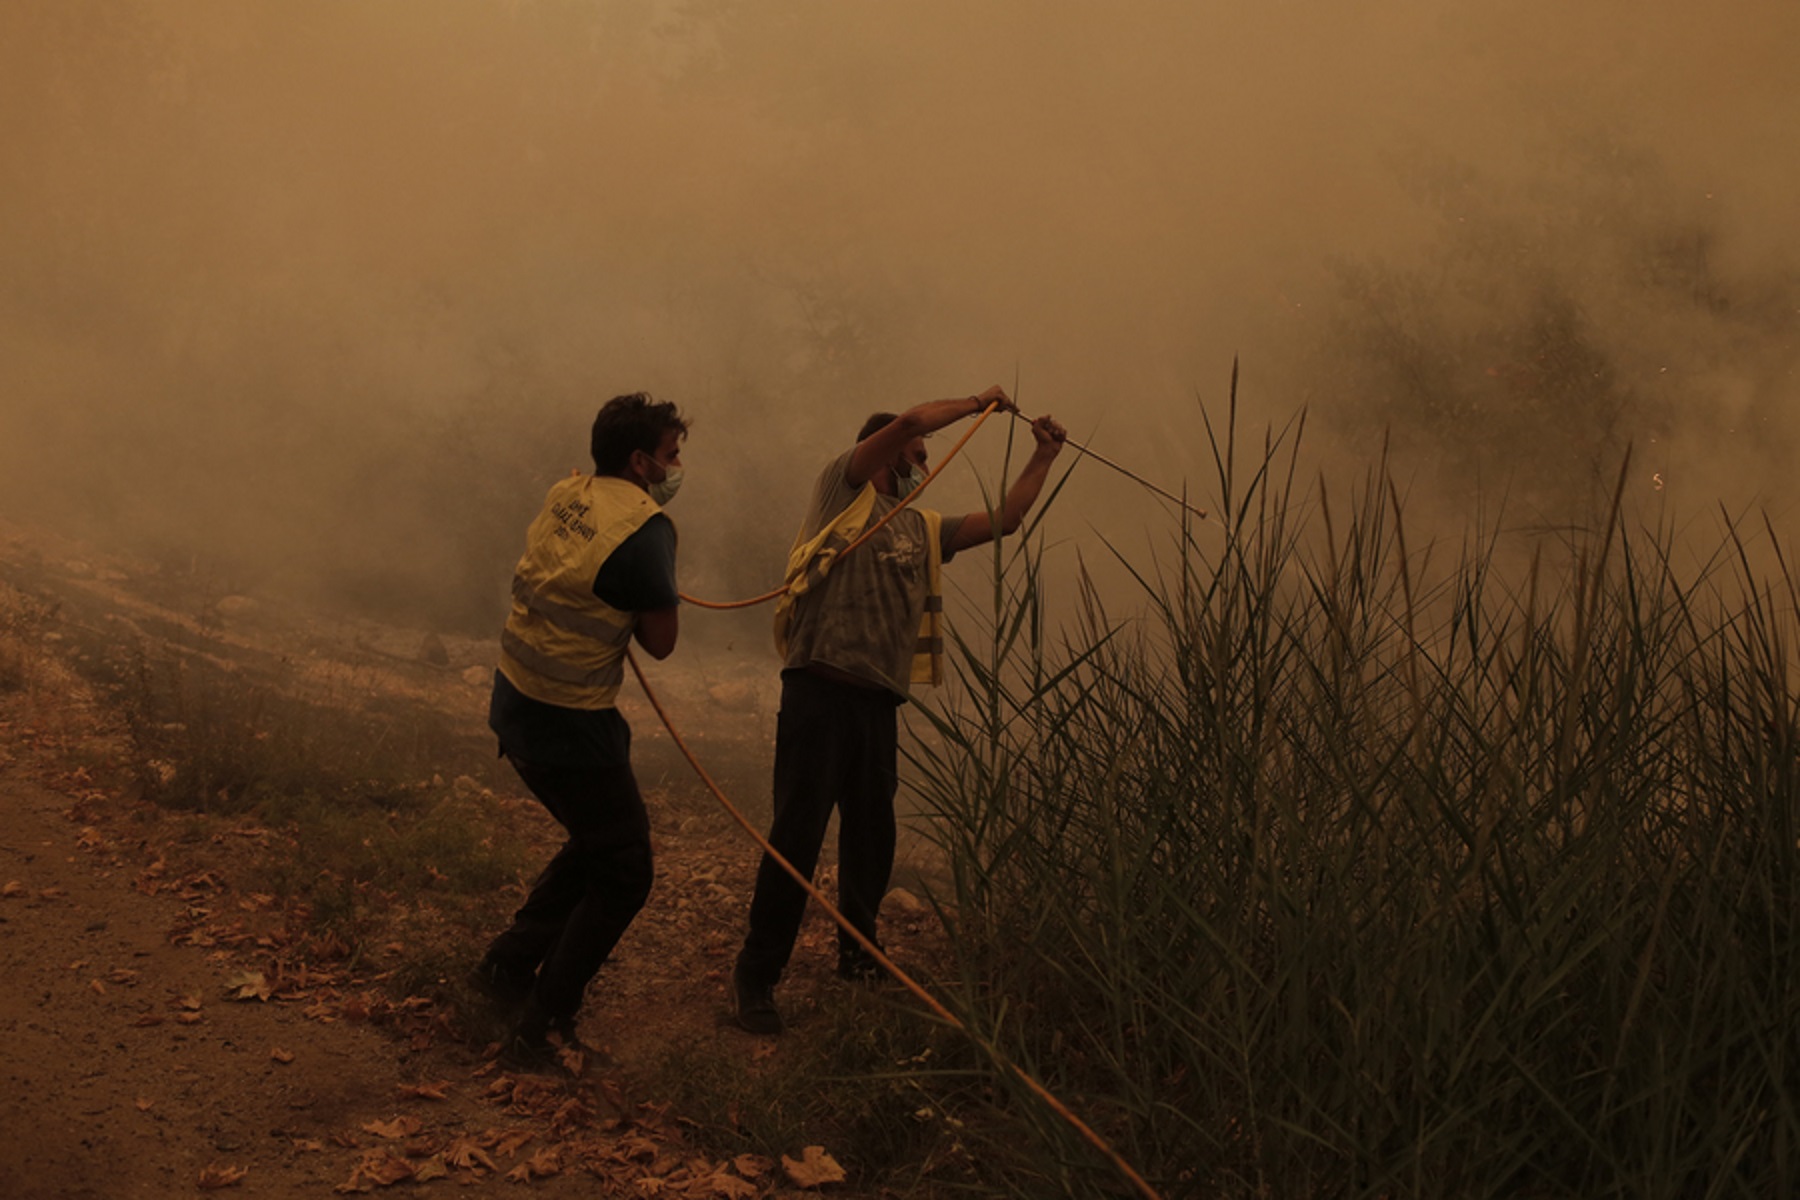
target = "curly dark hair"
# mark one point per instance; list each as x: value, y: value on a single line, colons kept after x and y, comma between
x: 631, y: 422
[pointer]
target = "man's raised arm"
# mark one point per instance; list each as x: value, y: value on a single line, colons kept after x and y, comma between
x: 978, y: 527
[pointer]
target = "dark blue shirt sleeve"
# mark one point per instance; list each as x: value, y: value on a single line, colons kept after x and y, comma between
x: 639, y: 576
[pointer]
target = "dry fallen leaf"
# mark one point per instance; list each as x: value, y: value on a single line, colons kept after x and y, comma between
x: 248, y: 985
x: 378, y: 1168
x: 190, y: 1001
x: 99, y: 988
x: 752, y: 1166
x: 542, y: 1165
x: 12, y: 889
x: 728, y: 1186
x: 570, y: 1116
x: 280, y: 1055
x: 815, y: 1168
x: 188, y: 1018
x: 399, y: 1127
x: 390, y: 1170
x: 308, y: 1145
x: 507, y: 1143
x: 215, y: 1177
x: 431, y: 1168
x: 465, y: 1154
x: 142, y: 1104
x: 438, y: 1090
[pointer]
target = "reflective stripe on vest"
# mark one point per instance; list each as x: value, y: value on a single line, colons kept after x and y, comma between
x: 928, y: 652
x: 562, y: 615
x: 512, y: 645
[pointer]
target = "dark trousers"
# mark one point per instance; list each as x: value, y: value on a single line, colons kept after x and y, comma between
x: 835, y: 747
x: 585, y: 899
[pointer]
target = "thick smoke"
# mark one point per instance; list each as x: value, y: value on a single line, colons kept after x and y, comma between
x: 325, y: 294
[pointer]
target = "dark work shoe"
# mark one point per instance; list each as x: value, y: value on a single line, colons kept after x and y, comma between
x: 857, y: 965
x: 753, y: 1004
x: 529, y: 1048
x: 535, y: 1055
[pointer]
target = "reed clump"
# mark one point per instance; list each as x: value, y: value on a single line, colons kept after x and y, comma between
x: 1357, y: 869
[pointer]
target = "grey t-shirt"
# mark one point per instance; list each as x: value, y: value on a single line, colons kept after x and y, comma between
x: 864, y: 618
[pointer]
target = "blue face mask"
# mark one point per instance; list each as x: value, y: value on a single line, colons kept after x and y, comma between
x: 904, y: 485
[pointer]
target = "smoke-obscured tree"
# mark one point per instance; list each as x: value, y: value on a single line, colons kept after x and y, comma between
x: 1550, y: 325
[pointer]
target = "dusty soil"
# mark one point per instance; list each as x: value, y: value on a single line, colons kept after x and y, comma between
x: 148, y: 1049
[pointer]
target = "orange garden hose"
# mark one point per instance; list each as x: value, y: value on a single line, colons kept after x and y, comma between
x: 933, y: 474
x: 887, y: 964
x: 868, y: 533
x: 1104, y: 461
x: 936, y: 1006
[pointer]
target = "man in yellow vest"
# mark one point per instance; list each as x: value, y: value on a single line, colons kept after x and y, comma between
x: 856, y: 631
x: 598, y: 572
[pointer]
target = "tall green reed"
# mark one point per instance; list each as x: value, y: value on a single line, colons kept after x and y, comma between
x: 1353, y: 869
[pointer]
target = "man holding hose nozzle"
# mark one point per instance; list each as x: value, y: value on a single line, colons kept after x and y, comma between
x: 598, y: 572
x: 856, y: 630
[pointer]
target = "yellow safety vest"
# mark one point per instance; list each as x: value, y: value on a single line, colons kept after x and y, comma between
x: 562, y: 644
x: 811, y: 560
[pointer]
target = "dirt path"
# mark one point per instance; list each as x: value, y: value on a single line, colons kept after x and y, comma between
x: 131, y: 1068
x: 144, y: 1058
x: 127, y: 1073
x: 142, y: 1053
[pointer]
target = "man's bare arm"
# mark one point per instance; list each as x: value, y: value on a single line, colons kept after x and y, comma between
x: 882, y: 447
x: 978, y: 527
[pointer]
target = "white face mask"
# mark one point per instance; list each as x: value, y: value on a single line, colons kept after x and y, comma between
x: 905, y: 484
x: 664, y: 489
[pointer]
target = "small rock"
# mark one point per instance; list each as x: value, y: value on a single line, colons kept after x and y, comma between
x: 431, y: 650
x: 735, y: 696
x: 906, y: 904
x: 476, y: 676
